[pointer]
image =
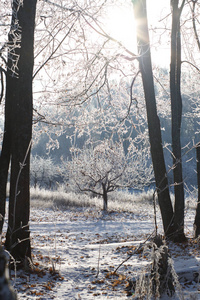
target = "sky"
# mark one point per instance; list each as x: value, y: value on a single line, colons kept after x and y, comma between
x: 121, y: 25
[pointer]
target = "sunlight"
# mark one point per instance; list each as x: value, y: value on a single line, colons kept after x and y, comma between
x: 120, y: 25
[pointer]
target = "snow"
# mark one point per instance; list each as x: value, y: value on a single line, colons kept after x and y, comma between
x: 76, y: 250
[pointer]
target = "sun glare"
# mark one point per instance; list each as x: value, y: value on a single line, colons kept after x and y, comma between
x: 121, y: 26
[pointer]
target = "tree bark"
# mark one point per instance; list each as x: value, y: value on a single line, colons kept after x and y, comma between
x: 197, y: 216
x: 4, y: 167
x: 105, y: 198
x: 176, y: 113
x: 152, y: 117
x: 18, y: 128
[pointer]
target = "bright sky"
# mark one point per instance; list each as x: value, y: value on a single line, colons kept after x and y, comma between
x: 121, y: 26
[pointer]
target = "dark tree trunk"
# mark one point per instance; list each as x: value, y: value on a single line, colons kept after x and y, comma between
x: 197, y: 216
x: 105, y: 198
x: 152, y: 117
x: 176, y: 112
x: 18, y: 128
x: 4, y: 166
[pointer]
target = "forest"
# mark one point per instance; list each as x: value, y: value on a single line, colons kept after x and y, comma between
x: 99, y: 124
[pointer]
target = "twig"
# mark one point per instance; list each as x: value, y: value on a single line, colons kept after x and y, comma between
x: 98, y: 261
x: 15, y: 265
x: 17, y: 182
x: 136, y: 250
x: 154, y: 207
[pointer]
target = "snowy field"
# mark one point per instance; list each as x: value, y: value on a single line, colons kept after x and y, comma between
x: 77, y: 248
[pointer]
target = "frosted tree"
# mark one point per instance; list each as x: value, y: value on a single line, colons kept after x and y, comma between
x: 103, y: 168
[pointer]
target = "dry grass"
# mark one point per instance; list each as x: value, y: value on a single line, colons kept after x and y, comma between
x: 118, y: 200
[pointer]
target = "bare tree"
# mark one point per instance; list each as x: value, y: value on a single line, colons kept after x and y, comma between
x: 152, y: 116
x: 197, y: 216
x: 176, y: 108
x: 18, y: 128
x: 104, y: 168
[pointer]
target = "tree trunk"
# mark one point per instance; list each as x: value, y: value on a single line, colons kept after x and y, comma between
x: 176, y: 112
x: 152, y: 116
x: 197, y: 216
x: 105, y: 198
x: 4, y: 166
x: 18, y: 122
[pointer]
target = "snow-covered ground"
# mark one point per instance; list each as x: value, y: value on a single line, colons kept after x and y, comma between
x: 77, y: 249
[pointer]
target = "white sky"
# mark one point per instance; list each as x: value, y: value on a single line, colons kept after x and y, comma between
x: 122, y: 27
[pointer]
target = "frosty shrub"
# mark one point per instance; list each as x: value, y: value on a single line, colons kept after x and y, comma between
x: 159, y: 277
x: 44, y: 172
